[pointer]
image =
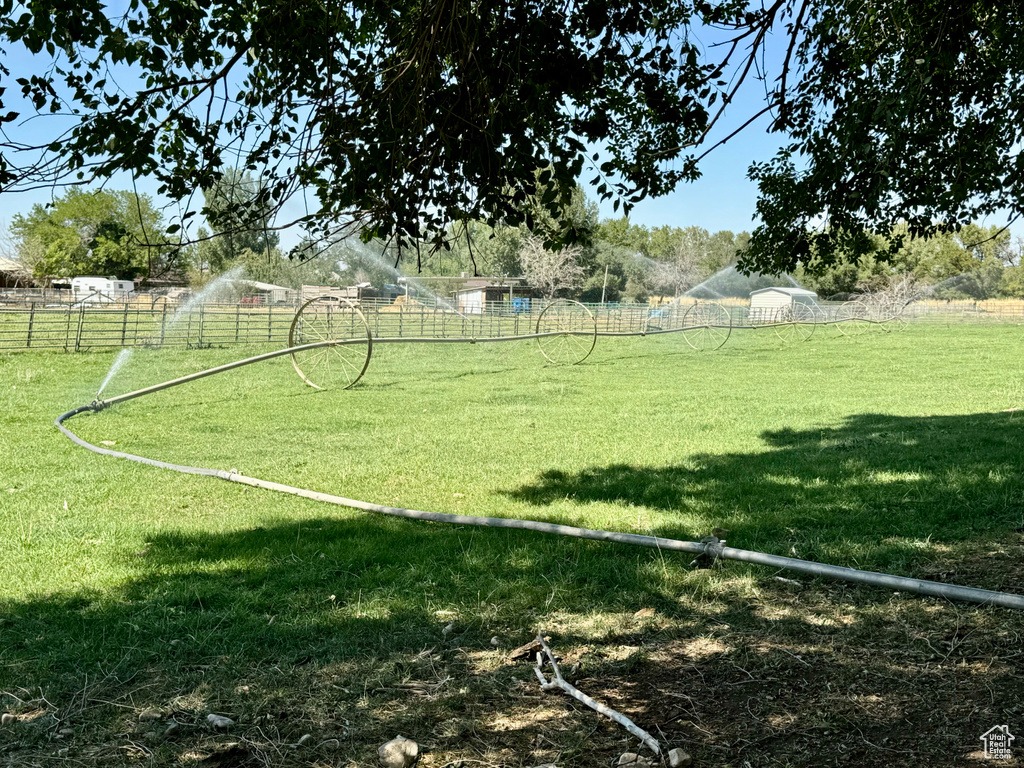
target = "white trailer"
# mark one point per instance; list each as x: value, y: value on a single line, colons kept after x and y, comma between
x: 100, y: 290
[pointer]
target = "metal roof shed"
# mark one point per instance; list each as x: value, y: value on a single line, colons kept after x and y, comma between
x: 477, y: 295
x: 13, y: 274
x: 271, y: 294
x: 769, y: 305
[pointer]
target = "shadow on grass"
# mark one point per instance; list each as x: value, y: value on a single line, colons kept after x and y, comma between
x: 248, y: 622
x: 877, y: 488
x: 318, y: 590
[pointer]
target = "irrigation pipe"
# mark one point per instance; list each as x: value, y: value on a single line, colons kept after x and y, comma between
x: 98, y: 405
x: 711, y: 547
x: 527, y: 336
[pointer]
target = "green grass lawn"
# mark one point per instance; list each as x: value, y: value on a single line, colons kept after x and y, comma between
x: 885, y: 451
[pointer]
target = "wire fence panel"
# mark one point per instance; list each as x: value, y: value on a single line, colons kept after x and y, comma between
x: 33, y: 320
x: 85, y: 327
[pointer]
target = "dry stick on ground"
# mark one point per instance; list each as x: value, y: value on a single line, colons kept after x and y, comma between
x: 559, y: 682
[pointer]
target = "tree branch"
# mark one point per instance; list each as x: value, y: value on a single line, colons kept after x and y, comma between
x: 558, y: 682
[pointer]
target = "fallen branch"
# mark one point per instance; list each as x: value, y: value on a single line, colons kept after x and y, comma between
x: 558, y: 682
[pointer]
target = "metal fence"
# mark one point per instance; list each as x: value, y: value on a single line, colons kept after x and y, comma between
x: 157, y: 322
x: 77, y: 328
x: 32, y: 320
x: 991, y: 310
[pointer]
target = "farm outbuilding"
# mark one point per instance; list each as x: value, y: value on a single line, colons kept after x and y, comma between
x: 355, y: 293
x: 476, y: 297
x: 265, y: 293
x: 769, y: 305
x: 13, y: 274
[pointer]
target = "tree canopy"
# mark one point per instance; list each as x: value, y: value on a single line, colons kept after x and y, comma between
x: 93, y: 233
x: 905, y: 114
x: 405, y: 117
x: 973, y: 263
x: 240, y: 219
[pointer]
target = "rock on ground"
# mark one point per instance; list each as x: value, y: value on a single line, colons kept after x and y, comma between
x: 219, y: 722
x: 633, y: 760
x: 400, y: 752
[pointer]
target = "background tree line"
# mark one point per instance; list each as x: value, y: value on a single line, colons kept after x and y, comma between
x: 119, y: 233
x: 973, y: 263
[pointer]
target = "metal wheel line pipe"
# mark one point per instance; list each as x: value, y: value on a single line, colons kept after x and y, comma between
x: 397, y: 340
x: 712, y: 549
x: 527, y: 336
x: 101, y: 404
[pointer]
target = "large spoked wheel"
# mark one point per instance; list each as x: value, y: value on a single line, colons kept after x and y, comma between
x: 798, y: 325
x: 341, y: 362
x: 893, y: 318
x: 573, y: 332
x: 851, y: 318
x: 706, y: 326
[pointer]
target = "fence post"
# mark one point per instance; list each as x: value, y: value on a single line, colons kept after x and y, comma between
x: 202, y: 318
x: 124, y: 323
x: 81, y: 321
x: 67, y: 328
x: 270, y: 326
x: 237, y: 309
x: 31, y: 318
x: 163, y: 321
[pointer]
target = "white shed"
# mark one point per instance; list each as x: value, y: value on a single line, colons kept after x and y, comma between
x: 769, y: 305
x: 267, y: 293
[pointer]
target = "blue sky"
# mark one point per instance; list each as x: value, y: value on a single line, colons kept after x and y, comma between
x: 723, y: 198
